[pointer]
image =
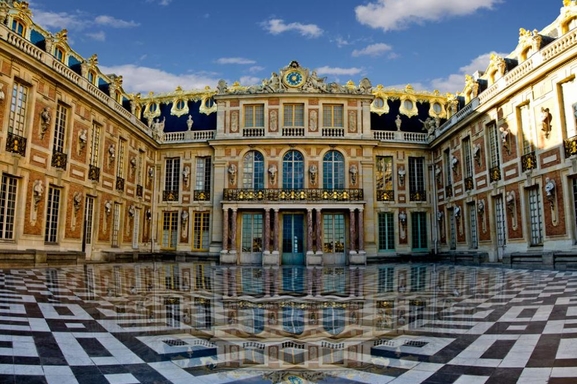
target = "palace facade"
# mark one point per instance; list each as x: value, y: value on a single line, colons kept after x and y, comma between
x: 293, y: 171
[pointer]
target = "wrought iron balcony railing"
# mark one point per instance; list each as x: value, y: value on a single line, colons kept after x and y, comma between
x: 385, y: 195
x: 119, y: 183
x: 16, y: 144
x: 528, y: 161
x: 201, y: 195
x: 418, y: 195
x: 495, y: 173
x: 279, y: 194
x: 169, y: 195
x: 469, y: 184
x: 93, y: 173
x: 59, y: 160
x: 570, y: 145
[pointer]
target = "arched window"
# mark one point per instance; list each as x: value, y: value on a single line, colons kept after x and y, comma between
x: 333, y: 170
x: 293, y: 170
x: 253, y: 170
x: 334, y: 320
x: 18, y: 27
x: 59, y: 54
x: 253, y: 320
x: 92, y: 77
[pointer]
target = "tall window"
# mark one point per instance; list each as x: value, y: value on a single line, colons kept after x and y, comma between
x: 252, y: 232
x: 417, y: 179
x: 468, y: 159
x: 172, y: 175
x: 334, y: 320
x: 419, y: 231
x: 448, y: 175
x: 333, y: 170
x: 139, y: 167
x: 52, y: 211
x: 527, y: 128
x: 254, y: 116
x: 473, y: 229
x: 201, y: 231
x: 333, y: 233
x: 385, y: 173
x: 500, y: 221
x: 494, y: 140
x: 203, y: 277
x: 116, y: 225
x: 333, y: 116
x: 386, y: 231
x: 203, y: 166
x: 7, y: 206
x: 121, y: 158
x: 536, y: 219
x: 95, y: 145
x: 18, y: 105
x: 293, y: 170
x: 88, y: 220
x: 294, y: 115
x: 253, y: 170
x: 170, y: 229
x: 452, y: 229
x: 386, y: 279
x: 569, y: 106
x: 135, y: 228
x: 60, y: 128
x: 293, y: 320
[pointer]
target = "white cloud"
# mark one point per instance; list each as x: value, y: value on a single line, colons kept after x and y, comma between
x: 278, y: 26
x: 57, y: 20
x: 146, y: 79
x: 234, y: 60
x: 255, y: 68
x: 250, y: 80
x: 114, y: 22
x: 456, y: 82
x: 372, y: 50
x: 98, y: 36
x: 165, y: 2
x: 336, y: 71
x: 341, y: 42
x: 398, y: 14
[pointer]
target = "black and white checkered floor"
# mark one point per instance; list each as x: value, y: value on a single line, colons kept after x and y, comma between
x: 500, y: 326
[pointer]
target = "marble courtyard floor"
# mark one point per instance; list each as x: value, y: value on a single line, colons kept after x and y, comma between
x: 196, y: 323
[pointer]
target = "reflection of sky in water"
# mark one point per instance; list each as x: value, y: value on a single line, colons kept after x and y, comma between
x: 298, y: 324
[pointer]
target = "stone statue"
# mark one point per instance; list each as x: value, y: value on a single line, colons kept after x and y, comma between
x: 45, y: 118
x: 189, y: 122
x: 38, y: 190
x: 221, y: 87
x: 272, y: 171
x: 546, y: 121
x: 398, y: 122
x: 273, y: 120
x: 354, y: 172
x: 232, y: 174
x: 313, y: 120
x: 429, y: 125
x: 313, y: 171
x: 549, y: 186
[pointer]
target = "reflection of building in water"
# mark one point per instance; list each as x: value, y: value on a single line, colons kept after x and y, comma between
x: 286, y: 317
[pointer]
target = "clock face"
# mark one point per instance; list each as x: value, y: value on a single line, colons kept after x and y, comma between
x: 294, y: 78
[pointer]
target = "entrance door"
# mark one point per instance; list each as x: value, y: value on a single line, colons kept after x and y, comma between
x: 293, y: 239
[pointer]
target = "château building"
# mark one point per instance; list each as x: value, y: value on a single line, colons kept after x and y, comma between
x: 293, y: 171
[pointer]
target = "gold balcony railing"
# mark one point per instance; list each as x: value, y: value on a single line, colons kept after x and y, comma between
x: 279, y: 194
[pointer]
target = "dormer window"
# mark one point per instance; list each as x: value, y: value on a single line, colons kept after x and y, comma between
x: 59, y: 54
x: 92, y: 77
x: 18, y: 27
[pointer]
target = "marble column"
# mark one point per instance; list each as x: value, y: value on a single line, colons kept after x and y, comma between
x: 233, y: 230
x: 276, y: 230
x: 309, y: 231
x: 266, y: 243
x: 225, y: 230
x: 319, y: 232
x: 353, y: 231
x: 361, y: 230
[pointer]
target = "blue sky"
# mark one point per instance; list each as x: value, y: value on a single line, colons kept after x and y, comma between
x: 157, y: 45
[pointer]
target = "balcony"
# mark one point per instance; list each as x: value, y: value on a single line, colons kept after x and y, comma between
x: 570, y: 145
x: 385, y: 195
x: 528, y: 161
x: 119, y: 183
x: 304, y: 195
x: 16, y: 144
x: 169, y: 195
x: 93, y: 173
x: 201, y: 195
x: 418, y: 195
x: 59, y: 160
